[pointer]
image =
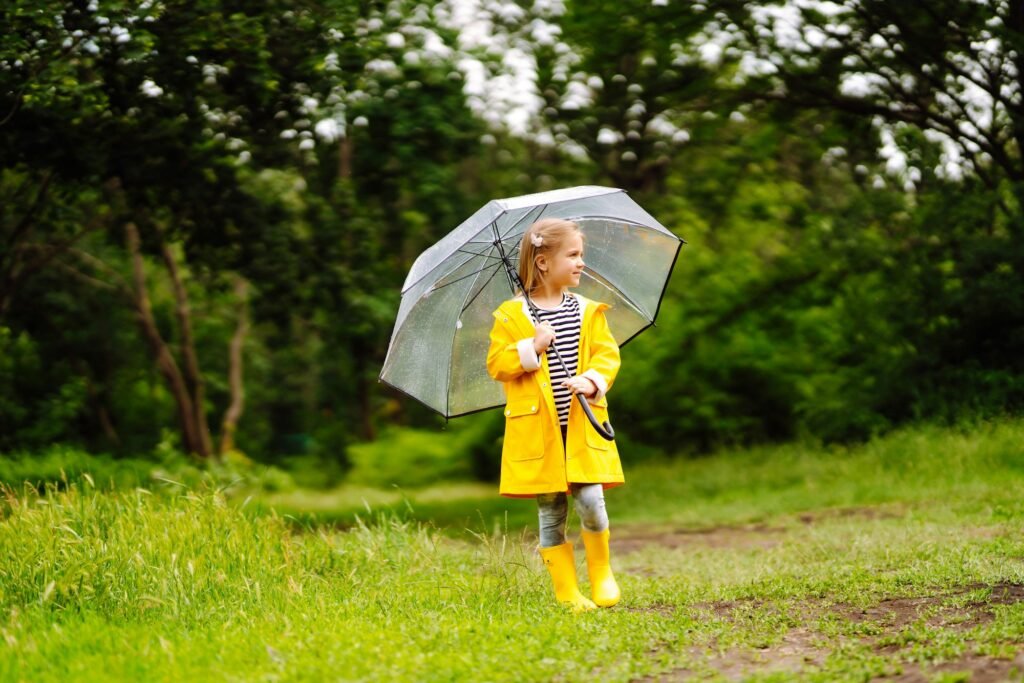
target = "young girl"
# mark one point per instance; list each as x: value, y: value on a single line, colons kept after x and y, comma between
x: 550, y: 447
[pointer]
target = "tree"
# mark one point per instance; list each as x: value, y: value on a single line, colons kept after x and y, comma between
x: 146, y: 103
x: 145, y: 137
x: 949, y: 69
x: 629, y: 86
x: 940, y: 86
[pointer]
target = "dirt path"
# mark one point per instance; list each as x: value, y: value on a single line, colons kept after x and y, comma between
x: 629, y: 538
x: 803, y: 648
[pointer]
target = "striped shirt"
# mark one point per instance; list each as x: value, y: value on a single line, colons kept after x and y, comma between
x: 566, y: 321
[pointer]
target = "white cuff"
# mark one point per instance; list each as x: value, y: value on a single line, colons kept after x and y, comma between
x: 528, y: 355
x: 600, y: 382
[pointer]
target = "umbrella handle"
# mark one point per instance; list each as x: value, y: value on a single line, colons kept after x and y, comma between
x: 606, y: 431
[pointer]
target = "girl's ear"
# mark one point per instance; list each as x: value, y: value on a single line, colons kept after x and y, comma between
x: 541, y: 261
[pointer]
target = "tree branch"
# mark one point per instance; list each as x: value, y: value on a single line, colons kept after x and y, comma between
x: 39, y: 69
x: 165, y: 362
x: 17, y: 272
x: 193, y: 377
x: 90, y: 280
x: 235, y: 364
x: 25, y: 224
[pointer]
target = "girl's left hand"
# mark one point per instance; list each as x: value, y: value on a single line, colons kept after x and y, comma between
x: 580, y: 385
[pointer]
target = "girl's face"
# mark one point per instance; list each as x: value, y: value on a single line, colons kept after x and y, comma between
x: 563, y: 268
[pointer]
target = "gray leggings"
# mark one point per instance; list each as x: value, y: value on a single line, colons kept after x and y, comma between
x: 553, y: 508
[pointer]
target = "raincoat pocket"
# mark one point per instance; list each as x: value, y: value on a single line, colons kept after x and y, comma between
x: 524, y: 439
x: 595, y: 440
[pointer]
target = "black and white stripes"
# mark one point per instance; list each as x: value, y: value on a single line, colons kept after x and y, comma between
x: 566, y: 321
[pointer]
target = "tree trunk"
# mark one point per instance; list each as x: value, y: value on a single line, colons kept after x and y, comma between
x: 345, y: 158
x: 168, y: 367
x: 193, y: 378
x: 235, y: 383
x: 99, y: 405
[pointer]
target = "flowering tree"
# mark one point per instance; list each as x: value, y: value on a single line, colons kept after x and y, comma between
x: 139, y: 132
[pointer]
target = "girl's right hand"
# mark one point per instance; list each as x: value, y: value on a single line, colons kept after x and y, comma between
x: 543, y: 337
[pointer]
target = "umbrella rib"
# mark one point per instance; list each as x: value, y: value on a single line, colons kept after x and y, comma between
x: 481, y: 253
x: 615, y: 288
x: 469, y: 303
x: 667, y: 233
x: 471, y: 253
x: 668, y: 277
x: 518, y: 222
x: 618, y: 292
x: 497, y: 244
x: 515, y: 247
x: 481, y: 241
x: 494, y: 226
x: 442, y: 261
x: 463, y: 277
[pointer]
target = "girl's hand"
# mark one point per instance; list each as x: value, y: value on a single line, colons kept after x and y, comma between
x: 543, y: 337
x: 581, y: 385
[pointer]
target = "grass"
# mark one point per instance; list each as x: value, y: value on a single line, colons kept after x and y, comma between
x: 902, y: 556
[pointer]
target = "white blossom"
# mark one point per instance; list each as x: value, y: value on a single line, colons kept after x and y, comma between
x: 329, y: 130
x: 150, y: 89
x: 607, y: 136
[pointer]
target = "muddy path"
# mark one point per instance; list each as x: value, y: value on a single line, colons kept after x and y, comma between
x: 804, y: 648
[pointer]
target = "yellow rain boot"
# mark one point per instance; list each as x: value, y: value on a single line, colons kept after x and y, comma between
x: 561, y: 564
x: 602, y: 582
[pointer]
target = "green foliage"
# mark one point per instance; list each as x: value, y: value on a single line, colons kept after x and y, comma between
x: 828, y: 292
x: 61, y: 466
x: 409, y: 458
x: 648, y: 93
x: 38, y: 403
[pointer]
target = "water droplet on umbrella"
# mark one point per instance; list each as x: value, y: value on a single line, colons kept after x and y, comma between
x: 458, y: 324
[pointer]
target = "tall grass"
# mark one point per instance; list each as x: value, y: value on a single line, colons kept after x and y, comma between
x: 112, y: 585
x: 913, y: 465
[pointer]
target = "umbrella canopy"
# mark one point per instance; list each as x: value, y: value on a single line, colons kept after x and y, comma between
x: 438, y: 349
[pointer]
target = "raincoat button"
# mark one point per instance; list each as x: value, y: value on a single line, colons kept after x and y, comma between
x: 504, y: 320
x: 508, y: 412
x: 543, y: 384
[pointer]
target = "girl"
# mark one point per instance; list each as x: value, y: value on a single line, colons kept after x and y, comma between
x: 550, y: 447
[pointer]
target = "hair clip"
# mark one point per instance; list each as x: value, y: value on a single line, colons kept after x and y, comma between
x: 536, y: 240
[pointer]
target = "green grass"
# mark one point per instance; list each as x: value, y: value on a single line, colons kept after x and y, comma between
x: 903, y: 555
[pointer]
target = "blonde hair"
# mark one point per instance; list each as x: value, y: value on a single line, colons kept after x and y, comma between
x: 550, y: 234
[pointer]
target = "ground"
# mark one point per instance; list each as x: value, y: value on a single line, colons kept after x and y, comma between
x: 805, y: 645
x: 901, y: 559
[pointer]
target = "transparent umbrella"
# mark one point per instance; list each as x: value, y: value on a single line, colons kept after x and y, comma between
x: 438, y: 349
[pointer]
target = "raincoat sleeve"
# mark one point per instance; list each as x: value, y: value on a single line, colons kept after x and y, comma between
x: 604, y: 361
x: 508, y: 357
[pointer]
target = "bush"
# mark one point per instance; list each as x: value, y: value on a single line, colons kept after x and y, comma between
x: 415, y: 457
x: 315, y: 471
x: 61, y: 465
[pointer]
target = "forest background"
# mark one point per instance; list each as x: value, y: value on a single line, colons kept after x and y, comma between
x: 207, y: 210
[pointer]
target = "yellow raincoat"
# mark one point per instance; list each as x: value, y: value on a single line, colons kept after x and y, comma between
x: 532, y: 458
